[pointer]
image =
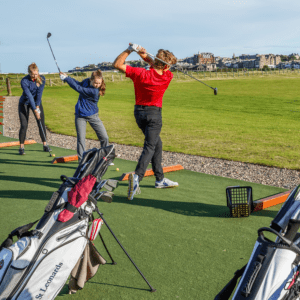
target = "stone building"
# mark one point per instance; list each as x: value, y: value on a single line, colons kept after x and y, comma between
x: 205, y: 58
x: 267, y: 60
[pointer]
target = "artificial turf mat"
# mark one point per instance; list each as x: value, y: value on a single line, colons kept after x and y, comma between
x: 182, y: 239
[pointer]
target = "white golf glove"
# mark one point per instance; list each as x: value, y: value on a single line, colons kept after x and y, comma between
x: 134, y: 47
x: 62, y: 77
x: 38, y: 110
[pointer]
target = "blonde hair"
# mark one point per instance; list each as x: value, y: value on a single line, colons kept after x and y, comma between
x: 166, y: 56
x: 98, y: 74
x: 34, y: 67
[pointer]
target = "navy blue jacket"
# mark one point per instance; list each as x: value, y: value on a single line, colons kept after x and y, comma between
x: 88, y: 97
x: 32, y: 94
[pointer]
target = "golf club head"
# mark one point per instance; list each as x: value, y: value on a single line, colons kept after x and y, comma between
x: 215, y: 91
x: 48, y: 35
x: 107, y: 196
x: 111, y: 184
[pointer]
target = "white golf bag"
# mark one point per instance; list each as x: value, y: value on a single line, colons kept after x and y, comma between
x: 40, y: 262
x: 272, y: 272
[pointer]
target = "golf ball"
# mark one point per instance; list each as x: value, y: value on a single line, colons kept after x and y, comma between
x: 117, y: 169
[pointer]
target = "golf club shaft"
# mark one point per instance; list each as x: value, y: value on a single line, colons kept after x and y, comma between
x: 178, y: 69
x: 53, y: 55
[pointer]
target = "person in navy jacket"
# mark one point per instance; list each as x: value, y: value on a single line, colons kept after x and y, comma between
x: 33, y: 86
x: 86, y: 109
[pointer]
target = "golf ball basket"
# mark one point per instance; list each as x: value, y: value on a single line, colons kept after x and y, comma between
x: 239, y: 201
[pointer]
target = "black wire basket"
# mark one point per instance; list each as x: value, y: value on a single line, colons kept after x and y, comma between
x: 239, y: 201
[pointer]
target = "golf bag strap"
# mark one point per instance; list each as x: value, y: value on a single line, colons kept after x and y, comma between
x: 71, y: 207
x: 229, y: 287
x: 19, y: 232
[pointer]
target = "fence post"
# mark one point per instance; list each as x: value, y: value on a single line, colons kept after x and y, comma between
x: 112, y: 78
x: 121, y: 77
x: 50, y: 82
x: 8, y: 87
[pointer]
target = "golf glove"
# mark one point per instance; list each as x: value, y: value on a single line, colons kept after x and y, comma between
x: 38, y: 110
x: 62, y: 77
x: 134, y: 47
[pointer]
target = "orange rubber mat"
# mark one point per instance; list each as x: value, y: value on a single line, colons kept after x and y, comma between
x: 64, y: 159
x: 10, y: 144
x: 149, y: 172
x: 270, y: 201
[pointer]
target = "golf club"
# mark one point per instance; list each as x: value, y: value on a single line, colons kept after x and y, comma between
x: 48, y: 35
x: 215, y: 89
x: 44, y: 136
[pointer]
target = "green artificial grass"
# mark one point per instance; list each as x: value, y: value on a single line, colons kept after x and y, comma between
x: 182, y: 239
x: 252, y: 119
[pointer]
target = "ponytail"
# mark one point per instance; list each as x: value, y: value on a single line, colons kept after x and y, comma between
x: 98, y: 74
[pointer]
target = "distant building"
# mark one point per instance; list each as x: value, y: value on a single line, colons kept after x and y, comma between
x: 205, y: 58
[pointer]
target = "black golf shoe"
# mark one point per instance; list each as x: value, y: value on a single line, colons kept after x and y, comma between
x: 47, y: 148
x: 21, y: 151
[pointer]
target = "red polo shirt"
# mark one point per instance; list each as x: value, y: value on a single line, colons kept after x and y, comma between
x: 149, y: 86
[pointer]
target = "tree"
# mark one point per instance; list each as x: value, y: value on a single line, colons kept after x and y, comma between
x: 265, y: 68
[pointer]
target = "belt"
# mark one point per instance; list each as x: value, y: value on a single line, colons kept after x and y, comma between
x: 138, y: 107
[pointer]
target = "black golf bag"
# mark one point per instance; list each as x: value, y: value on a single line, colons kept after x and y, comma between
x: 272, y: 272
x: 40, y: 262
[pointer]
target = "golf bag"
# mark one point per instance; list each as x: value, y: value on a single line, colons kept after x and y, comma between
x: 40, y: 262
x: 272, y: 272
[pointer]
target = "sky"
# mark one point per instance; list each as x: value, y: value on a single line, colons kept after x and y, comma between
x: 94, y: 31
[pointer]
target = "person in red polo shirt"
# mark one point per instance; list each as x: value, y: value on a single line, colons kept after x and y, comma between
x: 150, y: 86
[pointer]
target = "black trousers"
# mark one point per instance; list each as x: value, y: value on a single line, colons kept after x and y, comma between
x: 24, y: 116
x: 149, y: 120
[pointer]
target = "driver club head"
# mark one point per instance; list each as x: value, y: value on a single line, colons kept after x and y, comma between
x: 215, y: 91
x: 48, y: 35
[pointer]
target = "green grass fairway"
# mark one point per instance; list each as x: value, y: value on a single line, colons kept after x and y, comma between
x: 252, y: 119
x: 182, y: 239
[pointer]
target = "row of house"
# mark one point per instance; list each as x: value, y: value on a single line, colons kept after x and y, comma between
x: 206, y: 61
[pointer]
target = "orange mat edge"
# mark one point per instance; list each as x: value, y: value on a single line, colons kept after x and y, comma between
x: 64, y: 159
x: 270, y: 201
x: 17, y: 143
x: 149, y: 172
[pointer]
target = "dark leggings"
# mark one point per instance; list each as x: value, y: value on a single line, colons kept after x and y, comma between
x: 24, y: 116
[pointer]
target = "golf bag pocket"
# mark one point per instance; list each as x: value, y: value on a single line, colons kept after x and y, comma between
x: 52, y: 270
x: 270, y: 268
x: 6, y: 256
x: 43, y: 266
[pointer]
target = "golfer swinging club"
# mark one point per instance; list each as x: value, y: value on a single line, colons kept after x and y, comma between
x: 32, y: 86
x: 86, y: 109
x: 150, y: 86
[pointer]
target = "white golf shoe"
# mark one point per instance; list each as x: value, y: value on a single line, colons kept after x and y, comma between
x: 165, y: 183
x: 133, y: 186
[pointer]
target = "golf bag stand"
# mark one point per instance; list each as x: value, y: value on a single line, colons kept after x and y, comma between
x: 272, y: 272
x: 152, y: 290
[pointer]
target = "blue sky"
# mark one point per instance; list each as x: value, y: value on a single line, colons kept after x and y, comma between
x: 93, y: 31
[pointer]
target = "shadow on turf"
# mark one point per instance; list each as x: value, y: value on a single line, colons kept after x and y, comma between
x: 117, y: 285
x: 65, y: 289
x: 47, y: 164
x: 190, y: 208
x: 50, y: 182
x: 26, y: 195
